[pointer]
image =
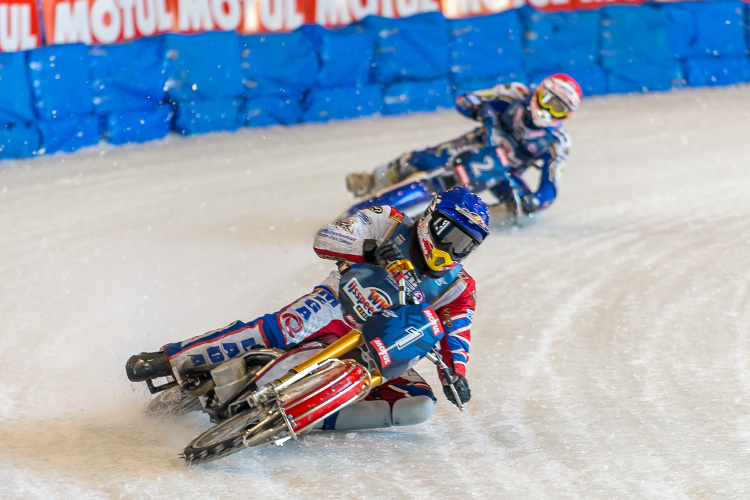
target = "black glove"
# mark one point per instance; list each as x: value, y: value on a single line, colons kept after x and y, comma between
x: 462, y: 388
x: 381, y: 253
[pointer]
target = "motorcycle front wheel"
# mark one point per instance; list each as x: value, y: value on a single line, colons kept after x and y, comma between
x: 229, y: 436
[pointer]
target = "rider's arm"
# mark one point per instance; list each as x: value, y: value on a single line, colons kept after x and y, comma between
x: 456, y: 316
x: 483, y: 105
x: 343, y: 240
x: 553, y: 164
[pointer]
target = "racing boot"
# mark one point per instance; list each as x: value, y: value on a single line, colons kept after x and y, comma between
x: 147, y: 366
x: 359, y: 183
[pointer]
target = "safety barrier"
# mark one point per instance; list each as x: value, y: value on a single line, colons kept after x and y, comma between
x: 64, y: 97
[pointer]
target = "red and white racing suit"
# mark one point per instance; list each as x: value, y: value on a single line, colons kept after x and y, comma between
x: 319, y: 316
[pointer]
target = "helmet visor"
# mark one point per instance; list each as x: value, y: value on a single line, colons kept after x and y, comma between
x: 553, y: 104
x: 449, y: 236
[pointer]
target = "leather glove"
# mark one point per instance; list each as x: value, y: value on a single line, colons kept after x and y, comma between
x: 381, y: 253
x: 462, y: 388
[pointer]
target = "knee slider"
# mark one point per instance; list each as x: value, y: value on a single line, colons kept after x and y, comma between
x: 412, y: 411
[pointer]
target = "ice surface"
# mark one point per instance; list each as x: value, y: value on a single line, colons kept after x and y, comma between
x: 610, y: 353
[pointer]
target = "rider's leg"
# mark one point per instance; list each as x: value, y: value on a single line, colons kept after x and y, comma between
x: 407, y: 400
x: 424, y: 160
x: 311, y: 315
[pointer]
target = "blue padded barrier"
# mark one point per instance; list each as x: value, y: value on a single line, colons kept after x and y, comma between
x: 592, y: 79
x: 60, y: 80
x: 214, y: 115
x: 636, y: 35
x: 137, y: 126
x: 202, y: 67
x: 461, y: 85
x: 14, y: 81
x: 322, y: 105
x: 68, y: 133
x: 714, y: 28
x: 283, y: 64
x: 413, y: 96
x: 715, y: 71
x: 271, y: 110
x: 559, y: 41
x: 488, y: 46
x: 128, y: 76
x: 645, y: 78
x: 134, y: 91
x: 415, y: 48
x: 19, y: 140
x: 344, y: 55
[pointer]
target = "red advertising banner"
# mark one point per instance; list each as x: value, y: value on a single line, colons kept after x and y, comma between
x: 111, y: 21
x: 553, y: 5
x: 19, y: 25
x: 105, y: 21
x: 455, y: 9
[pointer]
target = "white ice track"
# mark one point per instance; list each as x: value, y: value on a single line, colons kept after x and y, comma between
x: 610, y: 353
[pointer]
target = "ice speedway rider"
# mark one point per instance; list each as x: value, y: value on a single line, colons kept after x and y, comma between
x: 525, y: 128
x: 455, y: 223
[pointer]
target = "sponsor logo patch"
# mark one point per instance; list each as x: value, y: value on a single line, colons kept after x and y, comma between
x: 432, y: 318
x: 347, y: 224
x: 412, y: 335
x: 385, y: 358
x: 366, y: 301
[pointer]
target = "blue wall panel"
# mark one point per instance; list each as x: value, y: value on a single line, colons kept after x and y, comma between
x: 14, y: 81
x: 634, y: 35
x: 645, y: 78
x: 714, y: 71
x: 271, y: 110
x: 203, y: 67
x: 412, y: 96
x: 482, y: 47
x: 342, y: 102
x: 210, y: 115
x: 415, y: 48
x: 19, y: 140
x: 560, y: 41
x: 701, y: 29
x: 137, y: 126
x: 344, y: 55
x: 128, y: 76
x: 68, y: 133
x: 282, y: 64
x: 60, y: 80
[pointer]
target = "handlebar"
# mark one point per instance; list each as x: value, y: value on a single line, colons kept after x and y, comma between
x: 399, y: 269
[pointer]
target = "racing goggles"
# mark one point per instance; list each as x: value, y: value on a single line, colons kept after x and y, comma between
x: 552, y: 103
x: 449, y: 237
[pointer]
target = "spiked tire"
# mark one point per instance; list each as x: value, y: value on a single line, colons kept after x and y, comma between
x: 251, y: 428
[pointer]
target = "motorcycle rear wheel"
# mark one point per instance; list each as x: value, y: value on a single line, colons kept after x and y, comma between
x: 225, y: 438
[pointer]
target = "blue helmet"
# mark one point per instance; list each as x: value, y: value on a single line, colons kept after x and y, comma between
x: 454, y: 224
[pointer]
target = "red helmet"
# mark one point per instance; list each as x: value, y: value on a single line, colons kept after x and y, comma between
x: 555, y: 99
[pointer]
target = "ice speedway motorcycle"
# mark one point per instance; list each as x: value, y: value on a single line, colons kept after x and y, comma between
x: 270, y: 396
x: 481, y: 172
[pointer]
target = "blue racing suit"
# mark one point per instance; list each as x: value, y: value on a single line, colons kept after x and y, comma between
x: 518, y: 145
